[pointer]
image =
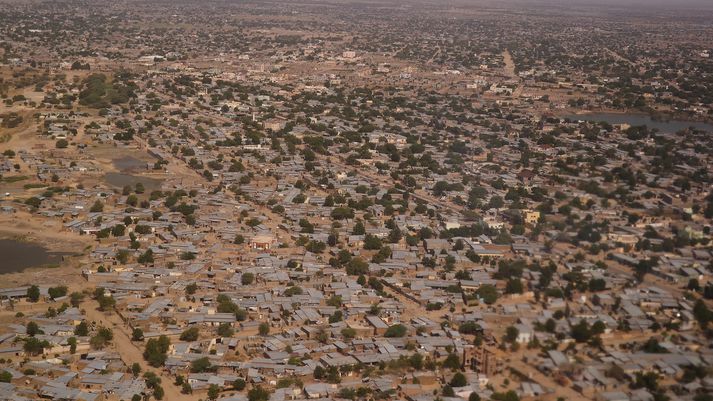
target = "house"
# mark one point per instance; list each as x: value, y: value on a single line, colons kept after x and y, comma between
x: 262, y: 242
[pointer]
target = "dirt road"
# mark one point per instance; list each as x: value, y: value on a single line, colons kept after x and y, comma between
x: 129, y: 352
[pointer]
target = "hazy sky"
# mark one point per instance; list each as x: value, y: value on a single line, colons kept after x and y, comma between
x: 668, y: 4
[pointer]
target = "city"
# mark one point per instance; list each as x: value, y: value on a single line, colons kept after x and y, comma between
x: 396, y: 200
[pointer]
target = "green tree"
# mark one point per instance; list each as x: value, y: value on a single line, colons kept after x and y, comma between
x: 135, y: 369
x: 258, y: 393
x: 397, y: 330
x: 239, y: 384
x: 97, y: 207
x: 137, y: 334
x: 514, y: 286
x: 76, y: 298
x: 458, y: 380
x: 247, y: 278
x: 33, y: 346
x: 32, y: 329
x: 155, y: 351
x: 57, y: 292
x: 201, y: 365
x: 190, y: 334
x: 5, y: 377
x: 33, y: 293
x: 82, y: 329
x: 488, y: 293
x: 72, y: 341
x: 225, y: 330
x: 264, y: 329
x: 452, y: 362
x: 213, y: 391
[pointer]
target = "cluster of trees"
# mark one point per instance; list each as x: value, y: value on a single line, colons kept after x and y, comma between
x: 98, y: 92
x: 155, y: 352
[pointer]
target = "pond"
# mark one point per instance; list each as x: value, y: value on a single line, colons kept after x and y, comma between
x: 19, y: 255
x: 670, y: 126
x: 120, y: 180
x: 129, y: 163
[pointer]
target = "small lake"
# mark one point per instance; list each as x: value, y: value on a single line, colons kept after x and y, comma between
x: 128, y: 163
x: 19, y: 255
x: 120, y: 180
x: 670, y: 126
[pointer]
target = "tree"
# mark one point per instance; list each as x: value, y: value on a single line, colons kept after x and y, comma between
x: 511, y: 334
x: 158, y: 392
x: 372, y: 242
x: 488, y: 293
x: 318, y: 372
x: 263, y: 329
x: 508, y: 396
x: 473, y: 396
x: 514, y: 286
x: 34, y: 202
x: 702, y: 314
x: 146, y: 257
x: 82, y: 329
x: 342, y: 213
x: 118, y: 230
x: 33, y: 293
x: 452, y: 362
x: 5, y: 377
x: 137, y: 334
x: 135, y: 369
x: 201, y: 365
x: 580, y: 332
x: 102, y: 338
x: 239, y: 384
x: 72, y: 341
x: 597, y: 284
x: 258, y: 393
x: 33, y: 346
x: 458, y: 380
x: 57, y: 292
x: 76, y: 298
x: 190, y: 334
x: 247, y: 278
x: 397, y: 330
x: 448, y: 391
x: 32, y: 329
x: 225, y: 330
x: 106, y: 302
x: 155, y: 351
x: 191, y: 288
x: 348, y: 333
x: 61, y: 144
x: 469, y: 327
x: 97, y: 207
x: 213, y: 391
x: 359, y: 228
x: 357, y: 266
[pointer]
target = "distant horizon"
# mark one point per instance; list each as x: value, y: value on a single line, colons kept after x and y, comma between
x: 658, y: 4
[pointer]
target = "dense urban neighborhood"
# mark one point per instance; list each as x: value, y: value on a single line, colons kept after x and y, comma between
x: 337, y: 200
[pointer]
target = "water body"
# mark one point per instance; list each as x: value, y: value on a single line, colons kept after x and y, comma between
x: 19, y: 255
x: 641, y: 119
x: 120, y: 180
x: 129, y: 163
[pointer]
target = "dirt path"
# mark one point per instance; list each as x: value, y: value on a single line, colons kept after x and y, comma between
x: 129, y: 352
x: 509, y: 64
x: 619, y: 56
